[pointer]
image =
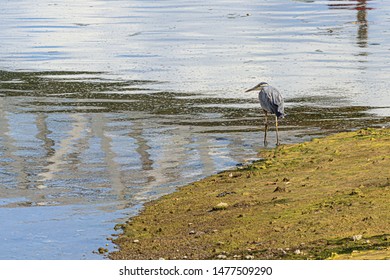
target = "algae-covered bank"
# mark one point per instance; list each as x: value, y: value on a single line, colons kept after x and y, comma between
x: 327, y: 198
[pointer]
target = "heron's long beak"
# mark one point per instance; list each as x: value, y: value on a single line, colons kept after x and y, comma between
x: 251, y: 89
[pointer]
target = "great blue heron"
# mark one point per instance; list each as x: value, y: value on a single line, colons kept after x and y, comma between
x: 271, y: 101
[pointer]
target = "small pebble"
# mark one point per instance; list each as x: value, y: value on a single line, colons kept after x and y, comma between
x: 357, y: 237
x: 199, y: 234
x: 283, y: 251
x: 220, y: 206
x: 102, y: 250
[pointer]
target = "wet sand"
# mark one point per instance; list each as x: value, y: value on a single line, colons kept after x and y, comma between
x: 327, y: 198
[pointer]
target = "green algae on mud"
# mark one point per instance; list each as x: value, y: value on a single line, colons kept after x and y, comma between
x: 323, y: 199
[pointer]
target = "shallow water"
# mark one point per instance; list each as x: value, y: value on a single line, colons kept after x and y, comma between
x: 105, y: 105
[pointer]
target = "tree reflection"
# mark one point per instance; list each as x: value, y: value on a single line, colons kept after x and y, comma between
x: 361, y: 6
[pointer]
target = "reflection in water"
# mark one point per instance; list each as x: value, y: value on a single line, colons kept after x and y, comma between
x: 350, y: 4
x: 60, y: 155
x: 91, y: 147
x: 361, y: 6
x: 362, y: 37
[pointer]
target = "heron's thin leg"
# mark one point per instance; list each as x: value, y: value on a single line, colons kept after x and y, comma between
x: 276, y: 127
x: 265, y: 128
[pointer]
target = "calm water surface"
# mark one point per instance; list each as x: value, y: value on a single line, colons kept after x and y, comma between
x: 105, y: 105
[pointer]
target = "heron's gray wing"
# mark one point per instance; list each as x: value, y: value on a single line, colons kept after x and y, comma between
x: 275, y: 99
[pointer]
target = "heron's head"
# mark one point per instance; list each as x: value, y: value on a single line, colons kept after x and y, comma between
x: 258, y: 86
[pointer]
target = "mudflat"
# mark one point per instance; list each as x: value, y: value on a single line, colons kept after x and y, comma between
x: 326, y: 198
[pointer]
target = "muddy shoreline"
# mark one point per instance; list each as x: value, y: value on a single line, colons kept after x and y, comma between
x: 327, y: 198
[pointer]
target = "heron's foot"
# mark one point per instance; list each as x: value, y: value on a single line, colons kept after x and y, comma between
x: 265, y: 143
